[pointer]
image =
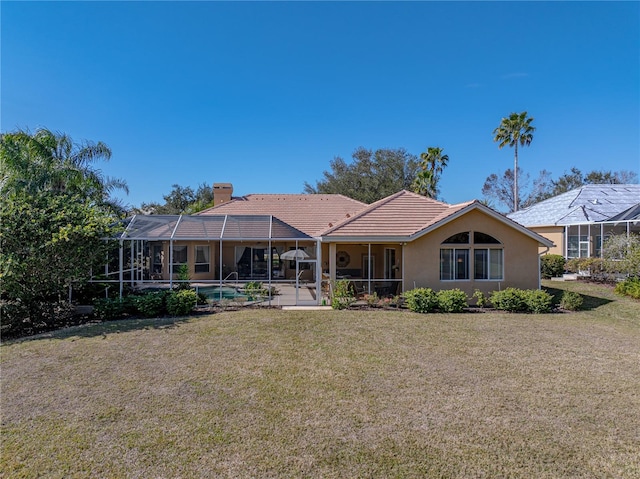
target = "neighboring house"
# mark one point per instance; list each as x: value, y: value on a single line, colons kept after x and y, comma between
x: 396, y: 244
x: 579, y: 221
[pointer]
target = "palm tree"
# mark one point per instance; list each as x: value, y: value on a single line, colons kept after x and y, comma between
x: 432, y: 163
x: 48, y: 161
x: 512, y: 131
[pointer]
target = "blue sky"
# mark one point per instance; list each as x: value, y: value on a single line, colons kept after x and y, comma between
x: 264, y: 95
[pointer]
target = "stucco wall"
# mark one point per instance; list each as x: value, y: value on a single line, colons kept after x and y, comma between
x: 521, y: 270
x: 553, y: 233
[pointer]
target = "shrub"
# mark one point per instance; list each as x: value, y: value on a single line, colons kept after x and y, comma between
x: 510, y: 299
x: 343, y: 296
x: 151, y: 304
x: 481, y: 299
x: 517, y: 300
x: 183, y: 276
x: 372, y: 299
x: 108, y: 309
x: 20, y: 319
x: 255, y: 290
x: 552, y: 265
x: 182, y: 302
x: 629, y: 287
x: 421, y: 300
x: 571, y: 301
x: 537, y: 301
x: 452, y: 300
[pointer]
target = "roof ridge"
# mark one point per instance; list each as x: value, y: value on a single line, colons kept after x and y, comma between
x: 359, y: 214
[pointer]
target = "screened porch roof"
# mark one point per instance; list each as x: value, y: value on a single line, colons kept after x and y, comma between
x: 211, y: 227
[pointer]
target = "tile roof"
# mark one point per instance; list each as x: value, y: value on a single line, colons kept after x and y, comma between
x: 587, y: 204
x: 402, y: 215
x: 311, y: 214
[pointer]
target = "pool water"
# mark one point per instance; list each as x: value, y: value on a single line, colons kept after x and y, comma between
x: 214, y: 292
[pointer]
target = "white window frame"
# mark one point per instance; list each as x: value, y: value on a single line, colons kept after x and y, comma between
x: 487, y: 264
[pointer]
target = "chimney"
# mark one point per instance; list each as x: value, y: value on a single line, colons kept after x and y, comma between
x: 222, y: 193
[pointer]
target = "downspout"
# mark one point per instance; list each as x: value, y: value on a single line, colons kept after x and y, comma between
x: 539, y: 265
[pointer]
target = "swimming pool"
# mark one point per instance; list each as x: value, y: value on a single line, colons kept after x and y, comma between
x: 216, y: 292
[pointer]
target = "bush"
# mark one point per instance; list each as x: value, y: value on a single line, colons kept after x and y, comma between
x: 481, y: 299
x: 629, y: 287
x: 181, y: 303
x: 108, y: 309
x: 372, y: 299
x: 421, y: 300
x: 537, y: 301
x: 20, y: 319
x: 150, y: 305
x: 516, y: 300
x: 343, y: 296
x: 509, y: 299
x: 452, y: 300
x: 552, y: 266
x: 571, y: 301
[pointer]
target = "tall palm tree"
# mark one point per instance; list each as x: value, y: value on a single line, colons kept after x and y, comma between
x: 512, y: 131
x: 432, y: 163
x: 48, y: 161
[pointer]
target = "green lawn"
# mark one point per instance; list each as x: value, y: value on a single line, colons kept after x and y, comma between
x: 270, y: 393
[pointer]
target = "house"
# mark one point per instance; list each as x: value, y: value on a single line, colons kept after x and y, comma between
x: 307, y: 241
x: 579, y: 221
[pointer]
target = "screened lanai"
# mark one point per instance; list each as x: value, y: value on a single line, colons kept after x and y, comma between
x: 213, y: 249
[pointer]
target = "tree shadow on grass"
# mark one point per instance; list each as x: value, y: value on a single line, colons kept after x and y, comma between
x: 588, y: 302
x: 104, y: 328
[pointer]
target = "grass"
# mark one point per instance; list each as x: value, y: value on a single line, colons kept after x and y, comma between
x: 270, y: 393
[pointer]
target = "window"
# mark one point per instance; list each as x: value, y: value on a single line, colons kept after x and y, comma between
x: 487, y: 264
x: 458, y: 238
x: 578, y: 246
x: 202, y: 259
x: 179, y: 257
x: 454, y: 264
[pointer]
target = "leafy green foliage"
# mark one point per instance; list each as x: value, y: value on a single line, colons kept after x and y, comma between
x: 55, y: 212
x: 432, y: 163
x: 180, y: 200
x: 343, y: 295
x: 571, y: 301
x: 370, y: 176
x: 181, y: 303
x: 516, y: 300
x: 552, y: 266
x: 151, y: 305
x: 510, y: 299
x: 452, y: 300
x: 108, y: 309
x: 622, y: 254
x: 421, y: 300
x: 538, y: 301
x: 629, y: 287
x: 183, y: 276
x: 481, y: 299
x: 513, y: 131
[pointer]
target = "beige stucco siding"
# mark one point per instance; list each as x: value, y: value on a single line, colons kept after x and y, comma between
x: 521, y: 270
x: 552, y: 233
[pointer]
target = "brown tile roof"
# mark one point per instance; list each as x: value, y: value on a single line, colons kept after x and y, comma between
x: 400, y: 215
x: 311, y: 214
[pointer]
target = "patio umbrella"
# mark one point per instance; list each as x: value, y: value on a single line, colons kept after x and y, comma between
x: 294, y: 254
